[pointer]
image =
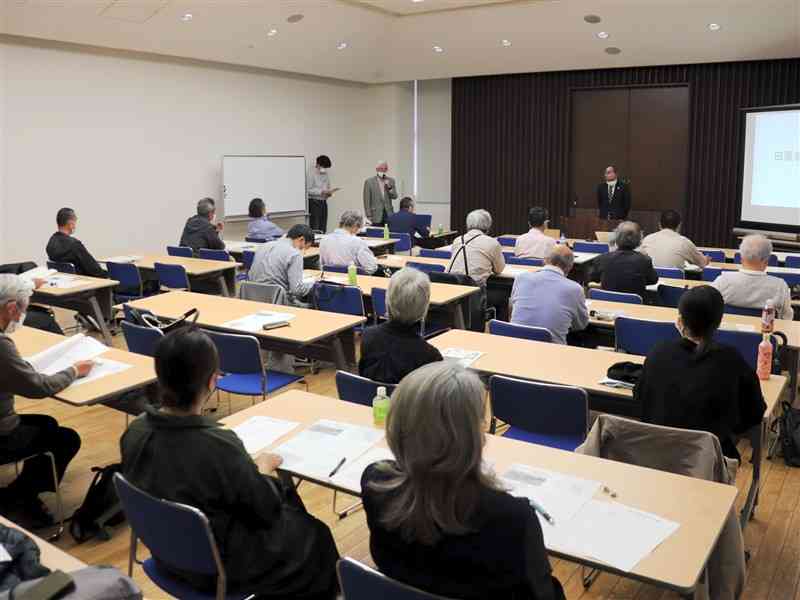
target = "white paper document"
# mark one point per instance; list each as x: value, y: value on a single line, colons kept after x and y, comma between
x: 64, y: 281
x: 616, y: 383
x: 123, y: 259
x: 255, y: 323
x: 514, y: 271
x: 4, y: 555
x: 464, y: 357
x: 65, y: 354
x: 257, y: 433
x: 319, y: 449
x: 103, y: 367
x: 38, y: 273
x: 349, y: 476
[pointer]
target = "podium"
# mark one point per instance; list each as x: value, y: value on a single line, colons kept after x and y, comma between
x: 585, y: 222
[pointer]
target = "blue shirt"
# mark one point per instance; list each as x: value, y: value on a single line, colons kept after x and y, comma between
x: 263, y: 229
x: 548, y: 299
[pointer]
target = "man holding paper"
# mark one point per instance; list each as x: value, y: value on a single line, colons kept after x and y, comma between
x: 24, y: 435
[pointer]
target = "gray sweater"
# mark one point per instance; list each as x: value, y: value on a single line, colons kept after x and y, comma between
x: 19, y: 377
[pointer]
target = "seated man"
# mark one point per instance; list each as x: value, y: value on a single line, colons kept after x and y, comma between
x: 62, y: 247
x: 343, y: 246
x: 751, y: 287
x: 405, y: 221
x: 627, y: 270
x: 535, y: 244
x: 668, y: 248
x: 281, y: 263
x: 548, y: 299
x: 598, y: 266
x: 37, y: 317
x: 200, y: 230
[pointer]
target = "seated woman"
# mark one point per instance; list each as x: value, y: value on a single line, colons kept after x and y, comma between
x: 260, y: 227
x: 395, y: 348
x: 696, y: 383
x: 270, y: 545
x: 438, y: 521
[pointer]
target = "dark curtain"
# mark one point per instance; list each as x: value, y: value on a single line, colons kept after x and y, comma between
x: 511, y: 138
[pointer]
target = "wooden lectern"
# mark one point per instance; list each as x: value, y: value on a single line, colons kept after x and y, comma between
x: 584, y: 223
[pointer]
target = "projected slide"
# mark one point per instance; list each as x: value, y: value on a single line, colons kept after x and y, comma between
x: 771, y: 178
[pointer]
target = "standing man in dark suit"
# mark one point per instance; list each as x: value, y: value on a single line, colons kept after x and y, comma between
x: 613, y: 196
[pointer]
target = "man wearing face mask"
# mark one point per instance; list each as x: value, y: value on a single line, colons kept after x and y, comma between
x: 379, y: 191
x: 27, y: 434
x: 64, y: 247
x: 613, y: 196
x: 318, y: 185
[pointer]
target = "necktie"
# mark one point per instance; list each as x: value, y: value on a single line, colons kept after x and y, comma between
x: 611, y: 192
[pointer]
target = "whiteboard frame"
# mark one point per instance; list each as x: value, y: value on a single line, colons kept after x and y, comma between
x: 289, y: 213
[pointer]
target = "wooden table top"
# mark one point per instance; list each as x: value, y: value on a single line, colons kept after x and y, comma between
x: 32, y: 341
x: 308, y: 326
x: 701, y: 507
x: 738, y: 267
x: 53, y: 558
x: 441, y: 293
x: 88, y: 284
x: 193, y: 266
x: 398, y: 261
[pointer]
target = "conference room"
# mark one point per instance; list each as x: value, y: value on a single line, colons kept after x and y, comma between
x: 412, y: 299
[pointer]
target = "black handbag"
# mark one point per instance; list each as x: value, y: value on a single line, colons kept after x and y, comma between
x: 145, y: 318
x: 629, y: 372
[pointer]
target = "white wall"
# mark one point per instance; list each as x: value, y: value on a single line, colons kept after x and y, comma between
x: 131, y: 142
x: 434, y: 149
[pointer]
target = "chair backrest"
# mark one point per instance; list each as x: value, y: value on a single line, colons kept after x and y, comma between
x: 670, y: 295
x: 714, y: 255
x: 373, y: 232
x: 255, y: 240
x: 594, y: 247
x: 426, y: 267
x: 670, y: 273
x: 528, y: 262
x: 261, y: 292
x: 792, y: 262
x: 343, y: 299
x: 378, y: 296
x: 141, y: 340
x: 508, y: 242
x: 423, y: 221
x: 359, y: 582
x: 173, y: 277
x: 342, y: 269
x: 773, y: 259
x: 598, y: 294
x: 791, y: 279
x: 183, y: 251
x: 540, y: 407
x: 638, y: 336
x: 435, y: 253
x: 523, y: 332
x: 746, y: 342
x: 127, y: 274
x: 62, y: 267
x: 403, y: 243
x: 240, y: 354
x: 711, y: 273
x: 248, y: 256
x: 742, y: 310
x: 210, y: 254
x: 357, y: 389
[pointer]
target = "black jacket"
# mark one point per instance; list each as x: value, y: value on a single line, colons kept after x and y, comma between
x: 617, y: 207
x: 65, y: 248
x: 503, y: 558
x: 715, y: 390
x: 200, y: 233
x: 406, y: 222
x: 628, y: 271
x: 391, y: 350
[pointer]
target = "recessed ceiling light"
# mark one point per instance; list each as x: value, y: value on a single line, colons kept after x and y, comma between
x: 713, y: 26
x: 294, y: 18
x: 506, y: 43
x: 272, y: 32
x: 613, y: 50
x: 417, y: 1
x: 438, y: 49
x: 341, y: 45
x: 186, y: 18
x: 593, y: 19
x: 603, y: 35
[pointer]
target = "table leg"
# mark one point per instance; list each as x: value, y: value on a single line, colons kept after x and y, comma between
x: 344, y: 359
x: 458, y: 309
x: 100, y: 318
x: 223, y: 285
x: 757, y: 436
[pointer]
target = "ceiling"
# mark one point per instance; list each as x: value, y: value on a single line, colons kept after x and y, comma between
x: 393, y: 40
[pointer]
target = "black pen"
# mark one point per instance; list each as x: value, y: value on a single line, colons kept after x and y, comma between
x: 336, y: 469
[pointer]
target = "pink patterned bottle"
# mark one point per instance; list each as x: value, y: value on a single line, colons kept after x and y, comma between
x: 764, y: 364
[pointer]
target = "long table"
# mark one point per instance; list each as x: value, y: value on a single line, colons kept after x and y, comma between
x: 701, y: 507
x: 398, y: 261
x: 311, y: 333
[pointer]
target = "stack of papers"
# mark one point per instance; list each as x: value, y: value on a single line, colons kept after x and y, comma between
x: 77, y: 348
x: 464, y: 357
x: 123, y: 259
x: 258, y: 433
x: 349, y: 476
x: 38, y: 273
x: 255, y: 323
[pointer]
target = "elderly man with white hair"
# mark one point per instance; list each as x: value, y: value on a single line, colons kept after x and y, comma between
x: 343, y: 246
x: 28, y: 434
x: 393, y: 349
x: 379, y: 191
x: 751, y: 287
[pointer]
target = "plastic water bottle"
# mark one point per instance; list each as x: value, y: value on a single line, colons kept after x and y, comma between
x: 562, y: 240
x: 768, y: 317
x: 352, y: 274
x: 764, y: 363
x: 386, y: 231
x: 380, y: 407
x: 441, y: 229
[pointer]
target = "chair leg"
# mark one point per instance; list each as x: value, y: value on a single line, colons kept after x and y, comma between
x: 59, y: 503
x: 132, y: 554
x: 350, y: 509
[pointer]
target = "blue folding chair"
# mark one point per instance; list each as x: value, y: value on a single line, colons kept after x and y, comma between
x: 179, y: 537
x: 791, y: 279
x: 523, y: 332
x: 550, y: 415
x: 211, y: 254
x: 182, y: 251
x: 670, y: 295
x: 598, y: 294
x: 528, y: 262
x: 714, y: 255
x: 341, y: 269
x: 711, y: 273
x: 378, y: 296
x: 425, y: 267
x: 593, y: 247
x: 746, y: 342
x: 670, y: 273
x: 242, y: 363
x: 773, y: 259
x: 403, y: 243
x: 638, y: 336
x: 130, y: 281
x: 742, y: 310
x: 792, y: 262
x: 374, y: 232
x: 128, y: 315
x: 507, y: 242
x: 62, y: 267
x: 248, y: 256
x: 139, y: 339
x: 359, y: 582
x: 172, y: 277
x: 357, y: 389
x: 342, y: 299
x: 435, y: 253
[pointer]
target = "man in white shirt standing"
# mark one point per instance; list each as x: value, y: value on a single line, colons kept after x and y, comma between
x: 668, y: 248
x: 535, y: 244
x: 379, y: 191
x: 343, y: 246
x: 751, y: 287
x: 318, y: 188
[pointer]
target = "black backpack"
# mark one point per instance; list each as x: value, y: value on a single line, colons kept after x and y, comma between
x: 790, y: 435
x: 100, y: 509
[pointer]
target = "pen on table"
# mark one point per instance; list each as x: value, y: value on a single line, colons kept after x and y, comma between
x: 336, y: 469
x: 540, y: 509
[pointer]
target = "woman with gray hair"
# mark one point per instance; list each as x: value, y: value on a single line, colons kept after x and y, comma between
x: 393, y: 349
x: 438, y: 519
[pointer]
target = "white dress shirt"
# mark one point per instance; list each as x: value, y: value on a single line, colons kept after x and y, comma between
x: 342, y: 248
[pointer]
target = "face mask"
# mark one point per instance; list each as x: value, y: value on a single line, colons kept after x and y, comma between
x: 14, y: 325
x: 323, y: 170
x: 382, y: 174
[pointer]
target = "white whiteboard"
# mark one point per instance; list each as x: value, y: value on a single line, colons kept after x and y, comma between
x: 279, y: 180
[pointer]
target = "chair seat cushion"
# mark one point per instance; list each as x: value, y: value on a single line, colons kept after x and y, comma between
x: 250, y: 384
x: 177, y: 588
x: 564, y: 441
